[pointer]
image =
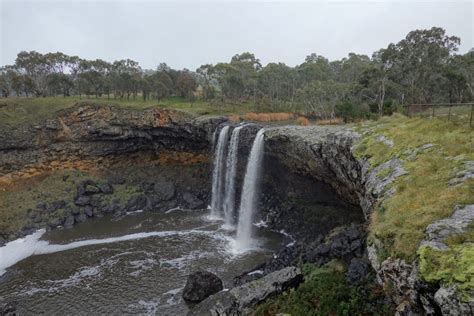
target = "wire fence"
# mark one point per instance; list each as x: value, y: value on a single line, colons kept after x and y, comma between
x: 461, y: 113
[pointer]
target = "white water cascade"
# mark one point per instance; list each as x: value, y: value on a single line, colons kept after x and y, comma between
x: 231, y: 169
x: 250, y: 193
x: 217, y: 175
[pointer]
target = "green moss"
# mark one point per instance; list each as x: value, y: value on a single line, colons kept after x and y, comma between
x: 58, y: 185
x: 384, y: 172
x: 454, y: 265
x: 324, y: 292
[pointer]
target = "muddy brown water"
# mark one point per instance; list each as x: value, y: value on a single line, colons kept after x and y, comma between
x: 134, y: 265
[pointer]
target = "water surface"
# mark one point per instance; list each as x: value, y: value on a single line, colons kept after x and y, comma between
x: 137, y: 264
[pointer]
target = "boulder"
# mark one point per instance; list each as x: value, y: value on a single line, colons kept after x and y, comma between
x: 82, y: 200
x: 192, y: 201
x: 8, y: 308
x: 200, y: 285
x: 69, y: 222
x: 106, y: 188
x: 81, y: 218
x: 165, y: 190
x: 357, y: 271
x: 88, y: 211
x: 242, y: 299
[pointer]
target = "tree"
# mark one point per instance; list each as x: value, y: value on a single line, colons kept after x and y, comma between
x: 418, y: 60
x: 186, y: 84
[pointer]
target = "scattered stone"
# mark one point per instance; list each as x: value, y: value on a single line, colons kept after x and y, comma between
x: 91, y: 189
x: 106, y: 188
x: 138, y: 202
x: 165, y: 190
x: 69, y: 222
x: 88, y: 211
x: 8, y: 308
x: 82, y: 200
x: 192, y: 201
x: 385, y: 140
x: 357, y: 271
x: 200, y: 285
x: 81, y: 218
x: 461, y: 176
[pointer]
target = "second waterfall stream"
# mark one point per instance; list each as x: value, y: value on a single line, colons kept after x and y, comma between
x: 223, y: 193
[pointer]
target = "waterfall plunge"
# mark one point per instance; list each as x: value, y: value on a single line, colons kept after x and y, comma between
x: 217, y: 178
x: 231, y: 168
x: 250, y: 192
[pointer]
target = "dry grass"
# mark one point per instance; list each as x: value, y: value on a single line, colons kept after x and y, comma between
x: 268, y: 117
x: 334, y: 121
x: 303, y: 121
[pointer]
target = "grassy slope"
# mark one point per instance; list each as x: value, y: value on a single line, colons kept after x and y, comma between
x: 423, y: 195
x: 18, y: 110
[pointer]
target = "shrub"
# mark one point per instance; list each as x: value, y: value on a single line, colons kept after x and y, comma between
x: 303, y: 121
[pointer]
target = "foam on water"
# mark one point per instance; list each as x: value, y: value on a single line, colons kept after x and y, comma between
x: 17, y: 250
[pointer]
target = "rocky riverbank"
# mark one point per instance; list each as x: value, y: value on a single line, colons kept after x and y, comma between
x: 91, y: 160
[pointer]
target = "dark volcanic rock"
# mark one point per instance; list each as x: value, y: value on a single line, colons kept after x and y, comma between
x: 200, y: 285
x: 8, y: 309
x: 358, y: 271
x: 88, y: 211
x: 69, y: 222
x: 82, y: 200
x: 242, y: 299
x: 106, y: 188
x: 81, y: 218
x: 165, y: 190
x: 192, y: 201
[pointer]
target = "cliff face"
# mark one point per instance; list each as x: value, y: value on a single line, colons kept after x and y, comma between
x: 327, y: 155
x: 160, y: 159
x: 97, y: 131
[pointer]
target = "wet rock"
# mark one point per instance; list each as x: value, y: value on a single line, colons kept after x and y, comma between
x: 69, y: 222
x: 88, y: 211
x: 200, y: 285
x: 192, y: 201
x: 106, y: 188
x: 138, y: 202
x: 357, y: 271
x: 82, y: 200
x: 8, y: 308
x: 242, y: 299
x: 81, y: 218
x: 165, y: 190
x: 91, y: 189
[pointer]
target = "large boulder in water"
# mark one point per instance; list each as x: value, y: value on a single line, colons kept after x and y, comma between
x: 241, y: 300
x: 200, y: 285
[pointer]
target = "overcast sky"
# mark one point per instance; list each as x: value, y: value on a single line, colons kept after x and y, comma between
x: 187, y: 34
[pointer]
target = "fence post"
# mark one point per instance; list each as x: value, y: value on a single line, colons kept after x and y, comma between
x: 470, y: 120
x: 432, y: 107
x: 449, y: 113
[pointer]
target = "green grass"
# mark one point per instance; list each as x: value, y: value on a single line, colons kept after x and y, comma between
x: 324, y: 292
x: 20, y: 110
x: 13, y: 215
x: 423, y: 196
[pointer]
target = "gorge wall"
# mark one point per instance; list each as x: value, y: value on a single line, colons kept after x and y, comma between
x: 315, y: 187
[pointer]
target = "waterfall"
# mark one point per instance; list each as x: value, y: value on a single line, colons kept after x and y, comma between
x: 217, y: 178
x: 231, y: 168
x: 250, y: 193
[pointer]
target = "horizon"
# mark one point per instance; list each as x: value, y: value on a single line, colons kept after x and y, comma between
x: 194, y: 40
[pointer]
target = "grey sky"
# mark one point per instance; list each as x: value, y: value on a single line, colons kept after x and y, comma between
x: 191, y: 33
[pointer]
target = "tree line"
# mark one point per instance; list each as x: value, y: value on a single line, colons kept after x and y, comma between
x: 421, y: 68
